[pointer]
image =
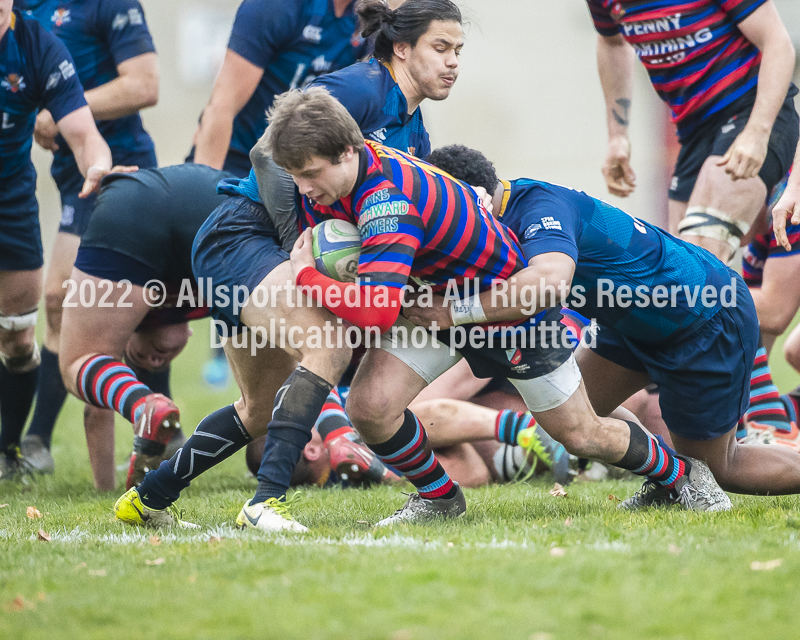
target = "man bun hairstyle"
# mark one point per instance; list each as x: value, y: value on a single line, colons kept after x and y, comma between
x: 465, y: 164
x: 309, y: 123
x: 407, y: 23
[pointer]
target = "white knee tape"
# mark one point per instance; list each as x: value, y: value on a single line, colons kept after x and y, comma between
x: 22, y: 364
x: 713, y: 223
x: 20, y: 322
x: 550, y: 390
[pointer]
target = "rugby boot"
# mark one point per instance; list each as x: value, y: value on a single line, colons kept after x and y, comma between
x: 419, y: 510
x: 699, y: 491
x: 130, y: 509
x: 356, y: 464
x: 652, y: 494
x: 37, y: 457
x: 149, y: 455
x: 159, y: 419
x: 551, y: 453
x: 270, y: 516
x: 11, y: 465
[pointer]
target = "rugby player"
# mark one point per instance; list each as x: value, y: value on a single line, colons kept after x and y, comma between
x: 724, y: 69
x: 141, y: 231
x: 421, y: 38
x: 36, y: 72
x: 416, y: 221
x: 697, y: 341
x: 117, y: 66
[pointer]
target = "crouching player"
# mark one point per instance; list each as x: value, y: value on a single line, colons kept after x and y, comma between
x: 417, y: 222
x: 697, y: 343
x: 140, y: 233
x: 37, y: 73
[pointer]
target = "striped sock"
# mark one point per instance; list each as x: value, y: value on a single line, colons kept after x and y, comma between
x: 765, y: 401
x: 741, y: 430
x: 408, y: 451
x: 651, y: 457
x: 510, y: 423
x: 333, y: 421
x: 107, y: 383
x: 790, y: 401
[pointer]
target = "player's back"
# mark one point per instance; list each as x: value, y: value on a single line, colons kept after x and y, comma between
x: 612, y: 250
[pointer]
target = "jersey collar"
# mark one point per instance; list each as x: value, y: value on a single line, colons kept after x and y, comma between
x: 506, y: 195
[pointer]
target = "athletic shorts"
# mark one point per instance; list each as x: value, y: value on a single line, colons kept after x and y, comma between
x: 764, y: 246
x: 75, y: 211
x: 543, y: 369
x: 237, y: 246
x: 714, y: 138
x: 703, y: 379
x: 20, y: 236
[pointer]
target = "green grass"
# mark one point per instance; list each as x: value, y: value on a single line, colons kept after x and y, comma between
x: 494, y: 574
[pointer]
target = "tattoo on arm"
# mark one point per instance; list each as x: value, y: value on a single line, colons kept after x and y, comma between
x: 621, y: 116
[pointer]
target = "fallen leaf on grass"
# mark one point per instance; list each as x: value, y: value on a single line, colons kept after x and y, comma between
x: 214, y: 540
x: 17, y: 604
x: 100, y: 573
x: 155, y: 562
x: 361, y: 522
x: 769, y: 565
x: 80, y: 565
x: 43, y: 536
x: 3, y: 506
x: 155, y: 541
x: 568, y: 522
x: 613, y: 498
x: 674, y: 549
x: 558, y: 552
x: 33, y: 513
x: 557, y: 491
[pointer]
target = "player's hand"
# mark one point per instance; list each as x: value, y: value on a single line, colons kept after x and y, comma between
x: 45, y: 131
x: 302, y: 255
x: 620, y: 178
x: 788, y: 207
x: 744, y: 157
x: 95, y: 174
x: 485, y: 198
x: 425, y: 314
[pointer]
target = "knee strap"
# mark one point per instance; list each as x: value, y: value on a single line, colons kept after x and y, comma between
x: 19, y: 322
x: 712, y: 223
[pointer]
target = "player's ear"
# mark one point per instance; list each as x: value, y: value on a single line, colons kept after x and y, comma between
x: 312, y: 451
x: 401, y: 50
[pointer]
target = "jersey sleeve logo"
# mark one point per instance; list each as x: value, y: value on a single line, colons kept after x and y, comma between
x: 312, y: 33
x: 60, y: 16
x: 13, y: 83
x: 531, y: 231
x: 121, y: 20
x: 67, y: 69
x: 549, y: 222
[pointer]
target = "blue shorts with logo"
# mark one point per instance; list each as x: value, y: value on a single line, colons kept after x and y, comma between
x: 75, y: 211
x: 703, y: 379
x: 237, y: 246
x: 20, y: 235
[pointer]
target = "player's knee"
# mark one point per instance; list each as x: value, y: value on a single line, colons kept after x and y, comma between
x: 327, y: 363
x: 21, y: 354
x: 368, y: 410
x: 708, y: 222
x: 791, y: 352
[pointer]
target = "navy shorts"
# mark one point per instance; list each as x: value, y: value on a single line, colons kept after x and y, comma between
x: 20, y: 236
x: 703, y: 379
x: 237, y: 246
x: 715, y: 137
x: 75, y: 211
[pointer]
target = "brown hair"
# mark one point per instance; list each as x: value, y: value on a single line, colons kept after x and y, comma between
x: 309, y: 123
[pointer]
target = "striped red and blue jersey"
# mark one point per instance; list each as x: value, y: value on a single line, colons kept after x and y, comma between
x: 418, y: 222
x: 699, y: 62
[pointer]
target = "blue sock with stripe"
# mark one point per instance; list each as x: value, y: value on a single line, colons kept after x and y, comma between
x: 766, y: 407
x: 510, y: 423
x: 650, y: 456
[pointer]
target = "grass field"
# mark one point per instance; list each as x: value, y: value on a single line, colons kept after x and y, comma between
x: 521, y: 564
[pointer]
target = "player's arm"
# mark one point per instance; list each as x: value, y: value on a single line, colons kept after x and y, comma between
x: 277, y: 191
x: 544, y: 283
x: 91, y: 151
x: 765, y: 30
x: 615, y: 59
x: 235, y: 85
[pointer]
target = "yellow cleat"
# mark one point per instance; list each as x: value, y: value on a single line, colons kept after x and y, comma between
x: 130, y: 509
x: 270, y: 516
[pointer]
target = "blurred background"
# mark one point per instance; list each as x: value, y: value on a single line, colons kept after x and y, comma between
x: 528, y: 96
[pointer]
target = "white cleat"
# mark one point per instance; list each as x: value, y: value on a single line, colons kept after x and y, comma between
x: 270, y: 516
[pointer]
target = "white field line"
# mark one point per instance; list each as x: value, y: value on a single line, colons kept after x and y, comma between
x: 393, y: 541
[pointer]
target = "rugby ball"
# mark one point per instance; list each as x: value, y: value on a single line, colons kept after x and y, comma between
x: 336, y: 246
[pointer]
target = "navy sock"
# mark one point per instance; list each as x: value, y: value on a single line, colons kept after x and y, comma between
x: 216, y: 438
x: 297, y: 407
x: 16, y: 398
x: 50, y: 396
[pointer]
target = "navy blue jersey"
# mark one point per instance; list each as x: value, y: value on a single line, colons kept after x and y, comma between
x: 100, y: 34
x: 370, y: 93
x: 293, y: 41
x: 36, y: 72
x: 630, y: 276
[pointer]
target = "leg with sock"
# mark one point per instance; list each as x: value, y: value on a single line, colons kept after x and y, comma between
x: 50, y: 396
x: 766, y: 409
x: 18, y: 378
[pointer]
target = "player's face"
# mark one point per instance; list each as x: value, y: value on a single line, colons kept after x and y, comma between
x: 325, y: 182
x: 433, y: 62
x: 5, y: 14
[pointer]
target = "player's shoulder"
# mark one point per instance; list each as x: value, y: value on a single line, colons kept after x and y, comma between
x: 272, y: 10
x: 32, y: 38
x: 363, y: 80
